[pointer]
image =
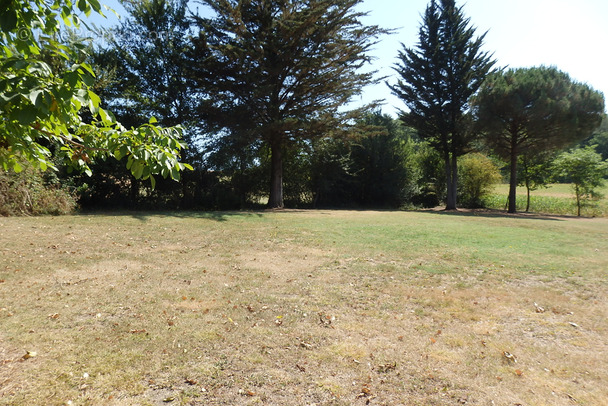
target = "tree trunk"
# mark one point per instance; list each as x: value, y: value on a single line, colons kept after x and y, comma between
x: 578, y: 200
x: 451, y: 173
x: 528, y: 198
x: 513, y: 180
x: 275, y: 201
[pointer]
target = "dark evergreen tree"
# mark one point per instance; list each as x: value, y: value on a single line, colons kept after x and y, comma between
x: 279, y: 71
x: 437, y: 79
x: 148, y: 57
x: 532, y: 111
x: 382, y: 163
x: 600, y: 139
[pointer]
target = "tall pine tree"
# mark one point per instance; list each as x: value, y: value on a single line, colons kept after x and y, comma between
x: 279, y: 71
x: 437, y: 79
x: 530, y: 111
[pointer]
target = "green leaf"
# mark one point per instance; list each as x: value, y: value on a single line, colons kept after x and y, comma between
x: 153, y: 120
x: 83, y: 5
x: 27, y: 115
x: 107, y: 117
x: 94, y: 101
x: 88, y: 79
x: 152, y: 182
x: 17, y: 167
x: 34, y: 95
x: 137, y: 170
x: 71, y: 78
x: 88, y: 68
x: 175, y: 173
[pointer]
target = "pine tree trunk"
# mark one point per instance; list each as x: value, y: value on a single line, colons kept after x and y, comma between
x: 451, y: 173
x: 513, y: 180
x: 275, y: 201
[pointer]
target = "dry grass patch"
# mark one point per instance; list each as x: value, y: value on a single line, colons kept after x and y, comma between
x: 292, y: 308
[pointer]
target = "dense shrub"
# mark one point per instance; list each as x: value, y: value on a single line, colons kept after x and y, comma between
x: 32, y: 192
x: 477, y: 175
x: 431, y: 177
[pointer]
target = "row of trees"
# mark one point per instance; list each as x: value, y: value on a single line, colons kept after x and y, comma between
x: 454, y: 97
x: 262, y: 86
x: 270, y: 78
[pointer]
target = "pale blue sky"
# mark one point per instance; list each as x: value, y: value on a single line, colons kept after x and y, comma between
x: 569, y: 34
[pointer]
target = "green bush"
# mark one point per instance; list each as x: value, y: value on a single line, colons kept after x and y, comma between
x: 30, y: 192
x: 477, y: 175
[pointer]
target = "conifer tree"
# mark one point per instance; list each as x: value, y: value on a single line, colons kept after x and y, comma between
x: 436, y: 80
x: 279, y: 71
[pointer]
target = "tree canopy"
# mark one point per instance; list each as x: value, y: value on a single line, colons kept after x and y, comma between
x: 585, y: 169
x: 43, y: 109
x: 436, y: 80
x: 278, y: 71
x: 534, y: 110
x: 149, y: 55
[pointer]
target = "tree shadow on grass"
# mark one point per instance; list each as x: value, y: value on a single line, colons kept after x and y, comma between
x: 492, y: 213
x: 144, y: 216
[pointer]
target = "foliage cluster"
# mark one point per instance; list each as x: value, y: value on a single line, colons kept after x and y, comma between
x: 478, y: 175
x: 259, y: 88
x: 47, y: 104
x: 32, y: 192
x: 586, y: 170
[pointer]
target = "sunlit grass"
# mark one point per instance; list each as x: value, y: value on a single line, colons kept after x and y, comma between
x: 557, y: 199
x: 303, y: 307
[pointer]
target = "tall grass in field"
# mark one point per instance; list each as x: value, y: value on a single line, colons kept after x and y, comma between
x: 555, y: 199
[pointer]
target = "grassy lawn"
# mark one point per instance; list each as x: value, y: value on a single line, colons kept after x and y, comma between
x: 302, y: 308
x: 557, y: 198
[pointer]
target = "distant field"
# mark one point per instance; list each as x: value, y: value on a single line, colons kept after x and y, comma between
x: 302, y: 308
x: 558, y: 198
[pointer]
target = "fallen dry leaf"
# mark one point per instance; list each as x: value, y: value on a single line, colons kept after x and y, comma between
x: 304, y: 344
x: 383, y: 368
x: 326, y: 320
x: 509, y: 357
x: 539, y: 309
x: 29, y: 354
x: 365, y: 392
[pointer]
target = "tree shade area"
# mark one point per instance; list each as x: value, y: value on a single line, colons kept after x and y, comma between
x: 260, y: 92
